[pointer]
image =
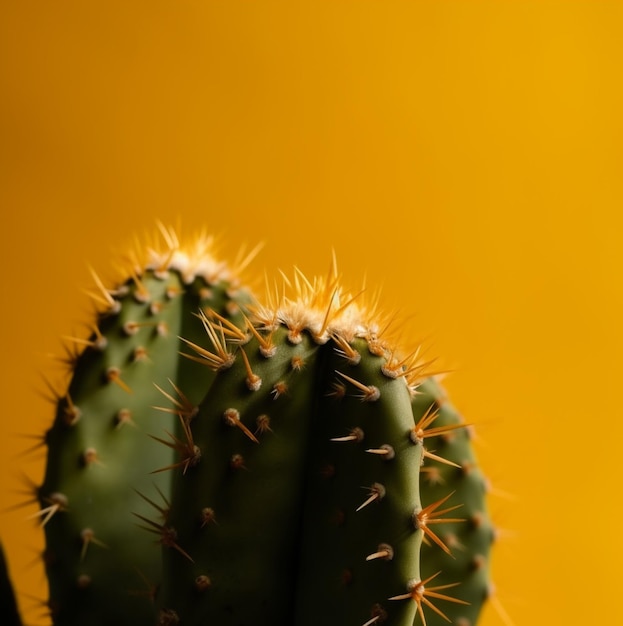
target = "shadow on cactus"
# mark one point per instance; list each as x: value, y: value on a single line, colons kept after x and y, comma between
x: 282, y: 463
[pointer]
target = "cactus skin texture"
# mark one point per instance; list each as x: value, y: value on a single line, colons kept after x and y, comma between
x: 99, y: 479
x: 305, y: 507
x: 308, y: 475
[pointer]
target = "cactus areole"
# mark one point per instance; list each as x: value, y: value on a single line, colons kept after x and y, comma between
x: 308, y: 474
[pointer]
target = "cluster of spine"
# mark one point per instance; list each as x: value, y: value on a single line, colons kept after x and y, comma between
x: 221, y: 461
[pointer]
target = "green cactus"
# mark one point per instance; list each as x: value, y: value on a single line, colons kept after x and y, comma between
x: 309, y: 474
x: 311, y: 441
x: 100, y: 470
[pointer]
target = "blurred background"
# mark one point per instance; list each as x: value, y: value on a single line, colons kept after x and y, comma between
x: 464, y: 156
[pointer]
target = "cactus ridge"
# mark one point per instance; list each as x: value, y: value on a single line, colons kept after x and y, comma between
x: 222, y: 460
x: 313, y: 481
x: 98, y: 482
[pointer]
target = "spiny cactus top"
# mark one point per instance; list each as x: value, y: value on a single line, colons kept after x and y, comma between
x: 310, y: 474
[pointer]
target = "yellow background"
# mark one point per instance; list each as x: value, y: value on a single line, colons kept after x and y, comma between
x: 464, y: 155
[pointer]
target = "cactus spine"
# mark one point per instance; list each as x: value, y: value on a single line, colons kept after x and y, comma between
x: 307, y: 475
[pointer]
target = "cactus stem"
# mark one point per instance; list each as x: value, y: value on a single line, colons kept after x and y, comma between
x: 376, y: 491
x: 369, y: 393
x: 232, y: 418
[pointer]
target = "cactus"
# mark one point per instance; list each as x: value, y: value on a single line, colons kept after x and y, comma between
x: 309, y: 474
x: 99, y: 477
x: 305, y: 505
